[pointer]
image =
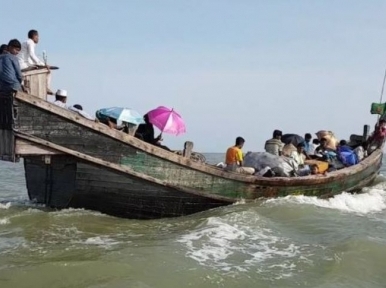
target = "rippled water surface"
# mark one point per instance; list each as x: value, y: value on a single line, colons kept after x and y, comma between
x: 289, y: 242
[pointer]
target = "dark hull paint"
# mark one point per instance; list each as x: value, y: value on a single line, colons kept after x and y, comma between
x: 67, y: 182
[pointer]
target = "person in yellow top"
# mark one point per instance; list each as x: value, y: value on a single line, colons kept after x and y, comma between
x: 234, y: 158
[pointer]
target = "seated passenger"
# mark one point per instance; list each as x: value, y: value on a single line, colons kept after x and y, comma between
x: 315, y: 170
x: 274, y: 145
x: 298, y: 156
x: 307, y: 144
x: 322, y: 152
x: 377, y: 138
x: 315, y: 143
x: 234, y: 158
x: 111, y: 122
x: 145, y: 132
x: 79, y: 109
x: 346, y: 154
x: 61, y: 98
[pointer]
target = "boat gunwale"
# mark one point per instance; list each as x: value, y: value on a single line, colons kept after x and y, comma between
x: 374, y: 158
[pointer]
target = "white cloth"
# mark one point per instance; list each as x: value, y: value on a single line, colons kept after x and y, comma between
x: 27, y: 56
x: 60, y: 104
x: 82, y: 113
x: 312, y: 149
x: 297, y: 157
x: 61, y: 92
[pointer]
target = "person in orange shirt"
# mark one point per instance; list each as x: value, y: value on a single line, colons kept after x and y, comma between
x: 234, y: 158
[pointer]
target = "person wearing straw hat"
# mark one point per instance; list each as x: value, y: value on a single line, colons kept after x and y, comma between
x: 61, y: 98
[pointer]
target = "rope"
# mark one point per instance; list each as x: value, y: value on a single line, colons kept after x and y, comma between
x: 383, y: 87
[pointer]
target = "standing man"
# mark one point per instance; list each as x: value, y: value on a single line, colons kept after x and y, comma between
x: 234, y: 158
x: 10, y: 74
x: 27, y: 57
x: 274, y: 145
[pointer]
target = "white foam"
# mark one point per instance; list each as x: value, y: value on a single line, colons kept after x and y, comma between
x: 372, y: 201
x: 5, y: 206
x: 4, y: 221
x: 101, y: 241
x: 233, y: 244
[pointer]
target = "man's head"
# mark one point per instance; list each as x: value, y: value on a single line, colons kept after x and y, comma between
x: 316, y: 141
x: 3, y: 48
x: 277, y: 134
x: 14, y: 47
x: 342, y: 142
x: 240, y: 142
x: 33, y: 35
x: 79, y: 107
x: 307, y: 137
x: 300, y: 147
x: 323, y: 142
x: 146, y: 119
x: 61, y: 95
x: 314, y: 169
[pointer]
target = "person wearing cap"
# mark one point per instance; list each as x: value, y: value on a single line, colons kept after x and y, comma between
x: 61, y: 98
x: 274, y: 145
x: 10, y: 73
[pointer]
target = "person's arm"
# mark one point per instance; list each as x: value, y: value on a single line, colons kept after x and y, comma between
x: 281, y: 149
x: 31, y: 53
x: 239, y: 157
x: 10, y: 73
x: 16, y: 66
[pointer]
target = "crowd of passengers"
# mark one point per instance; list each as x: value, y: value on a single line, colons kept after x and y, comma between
x: 309, y: 157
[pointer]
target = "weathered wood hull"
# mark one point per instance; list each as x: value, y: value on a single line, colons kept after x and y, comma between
x: 67, y: 182
x: 73, y: 162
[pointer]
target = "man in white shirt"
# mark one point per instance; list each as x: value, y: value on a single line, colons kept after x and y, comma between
x: 61, y: 98
x: 27, y: 57
x: 79, y: 109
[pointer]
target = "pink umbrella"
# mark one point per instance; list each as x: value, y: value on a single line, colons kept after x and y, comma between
x: 167, y: 120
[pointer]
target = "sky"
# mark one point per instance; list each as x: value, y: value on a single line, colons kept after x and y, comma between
x: 230, y: 68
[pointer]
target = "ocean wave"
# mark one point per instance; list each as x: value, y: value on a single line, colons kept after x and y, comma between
x: 4, y: 221
x: 5, y: 206
x: 241, y: 242
x: 373, y: 200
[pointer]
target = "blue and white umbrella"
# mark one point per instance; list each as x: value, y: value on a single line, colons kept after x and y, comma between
x: 123, y: 114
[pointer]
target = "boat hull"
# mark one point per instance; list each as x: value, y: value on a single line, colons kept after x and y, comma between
x: 66, y: 182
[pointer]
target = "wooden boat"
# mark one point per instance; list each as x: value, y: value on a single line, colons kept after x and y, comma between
x: 70, y: 161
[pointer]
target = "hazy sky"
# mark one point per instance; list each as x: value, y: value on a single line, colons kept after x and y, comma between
x: 231, y: 68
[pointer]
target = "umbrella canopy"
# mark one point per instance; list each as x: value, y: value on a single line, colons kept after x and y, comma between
x: 167, y: 120
x: 293, y: 139
x: 123, y: 114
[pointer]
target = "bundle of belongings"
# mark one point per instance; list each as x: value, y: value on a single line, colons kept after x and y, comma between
x: 330, y: 155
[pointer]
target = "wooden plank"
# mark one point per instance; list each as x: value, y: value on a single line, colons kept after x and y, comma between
x: 188, y: 148
x: 130, y: 140
x: 115, y: 167
x: 24, y: 148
